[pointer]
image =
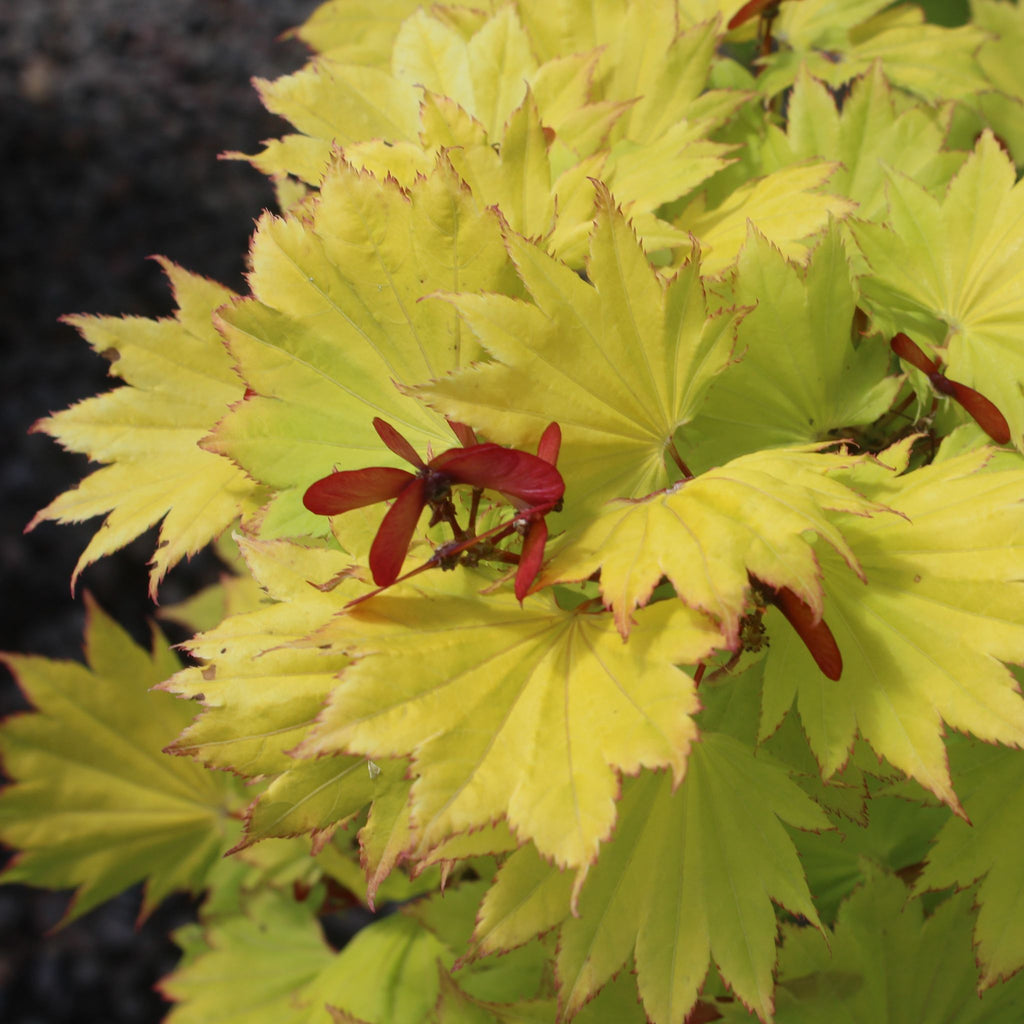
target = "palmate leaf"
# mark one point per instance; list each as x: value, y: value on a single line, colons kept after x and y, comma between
x: 887, y: 961
x: 620, y: 363
x: 923, y: 642
x: 356, y: 31
x: 485, y: 74
x: 837, y: 42
x: 799, y: 337
x: 526, y: 712
x: 255, y: 967
x: 868, y: 134
x: 259, y: 692
x: 262, y: 687
x: 94, y: 804
x: 179, y: 383
x: 950, y: 273
x: 336, y: 323
x: 990, y: 784
x: 393, y: 972
x: 691, y: 875
x: 787, y: 206
x: 705, y: 535
x: 542, y: 185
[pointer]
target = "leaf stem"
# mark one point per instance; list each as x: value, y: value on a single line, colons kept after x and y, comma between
x: 678, y: 459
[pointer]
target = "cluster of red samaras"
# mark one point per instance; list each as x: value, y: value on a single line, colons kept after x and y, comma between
x: 535, y: 487
x: 530, y: 482
x: 975, y: 404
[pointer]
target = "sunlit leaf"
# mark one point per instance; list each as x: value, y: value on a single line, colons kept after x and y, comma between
x: 530, y: 712
x: 620, y: 363
x: 925, y: 635
x: 948, y: 272
x: 179, y: 383
x: 691, y: 875
x: 336, y: 323
x: 705, y: 535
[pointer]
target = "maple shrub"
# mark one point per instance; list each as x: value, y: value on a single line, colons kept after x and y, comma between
x: 618, y: 463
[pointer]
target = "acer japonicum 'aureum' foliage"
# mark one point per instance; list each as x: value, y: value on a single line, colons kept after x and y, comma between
x: 699, y: 329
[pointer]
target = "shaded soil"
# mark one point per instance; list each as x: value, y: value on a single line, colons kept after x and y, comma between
x: 113, y: 114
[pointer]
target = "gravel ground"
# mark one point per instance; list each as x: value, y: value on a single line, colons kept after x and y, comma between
x: 113, y: 114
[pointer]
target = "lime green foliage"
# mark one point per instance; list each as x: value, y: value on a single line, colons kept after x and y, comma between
x: 95, y: 803
x: 643, y: 798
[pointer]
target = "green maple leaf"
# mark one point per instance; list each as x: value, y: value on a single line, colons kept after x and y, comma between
x: 527, y: 898
x: 798, y: 336
x: 529, y: 713
x: 950, y: 272
x: 314, y: 797
x: 454, y: 1006
x: 688, y: 876
x: 252, y: 967
x: 393, y: 972
x: 94, y: 804
x: 924, y: 642
x: 837, y: 42
x: 990, y: 783
x: 620, y: 363
x: 998, y: 58
x: 867, y: 135
x: 180, y: 381
x: 888, y: 962
x: 336, y: 323
x: 388, y: 831
x: 704, y: 535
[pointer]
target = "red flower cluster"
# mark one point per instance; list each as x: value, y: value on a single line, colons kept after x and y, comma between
x: 530, y: 482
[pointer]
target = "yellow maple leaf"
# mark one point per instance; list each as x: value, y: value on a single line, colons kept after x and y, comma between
x: 529, y: 712
x: 181, y: 382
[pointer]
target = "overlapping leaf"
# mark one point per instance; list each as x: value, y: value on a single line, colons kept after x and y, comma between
x: 950, y: 272
x: 1000, y: 108
x: 990, y: 784
x: 837, y: 42
x: 529, y: 713
x: 800, y: 337
x: 923, y: 642
x: 179, y: 383
x: 335, y: 324
x: 867, y: 135
x: 485, y: 74
x: 620, y: 362
x: 260, y: 693
x: 356, y: 31
x: 705, y: 535
x: 392, y: 972
x: 255, y: 967
x: 94, y: 804
x: 788, y: 206
x: 689, y: 876
x: 887, y: 961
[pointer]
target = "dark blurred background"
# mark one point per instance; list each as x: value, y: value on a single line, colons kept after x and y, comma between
x: 112, y: 116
